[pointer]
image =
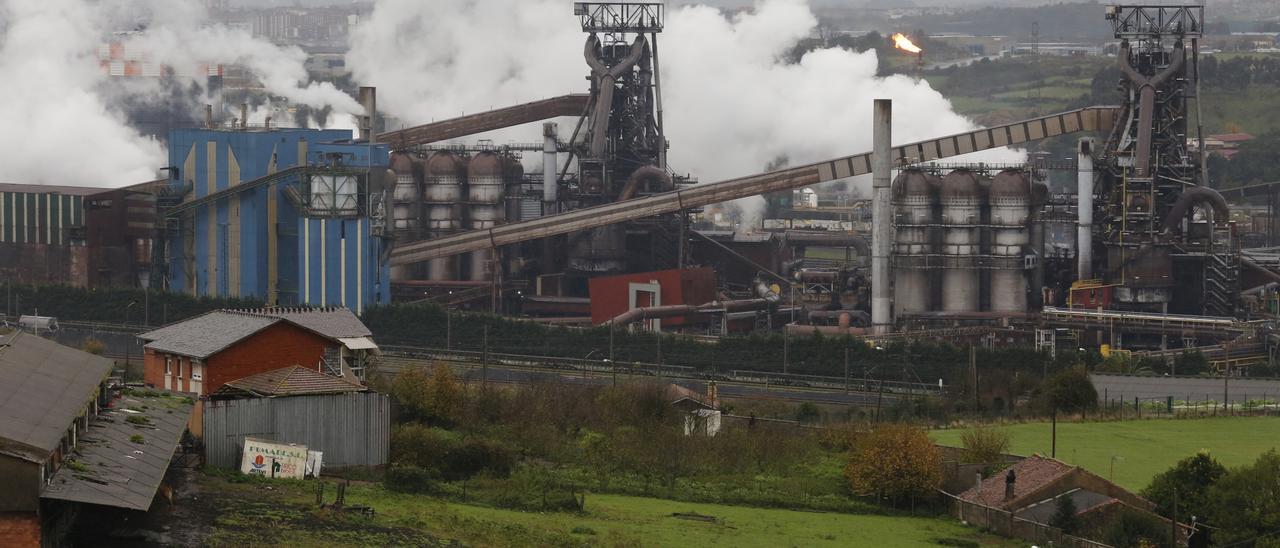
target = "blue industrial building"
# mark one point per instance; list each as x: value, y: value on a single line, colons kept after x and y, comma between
x: 289, y: 216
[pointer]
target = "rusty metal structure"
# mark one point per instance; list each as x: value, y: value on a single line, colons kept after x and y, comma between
x: 1160, y: 256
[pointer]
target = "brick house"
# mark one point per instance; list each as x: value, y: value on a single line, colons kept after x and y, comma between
x: 202, y: 354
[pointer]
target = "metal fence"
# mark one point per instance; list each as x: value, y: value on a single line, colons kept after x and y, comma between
x: 1139, y: 396
x: 351, y: 429
x: 1006, y: 524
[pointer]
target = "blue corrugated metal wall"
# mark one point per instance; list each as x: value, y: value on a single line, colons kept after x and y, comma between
x: 223, y: 249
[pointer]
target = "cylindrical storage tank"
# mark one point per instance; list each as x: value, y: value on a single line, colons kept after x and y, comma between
x: 914, y: 194
x: 405, y: 204
x: 1010, y: 203
x: 961, y: 201
x: 485, y: 187
x: 442, y: 196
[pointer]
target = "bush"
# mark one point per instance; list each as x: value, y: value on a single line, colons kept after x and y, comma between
x: 985, y: 445
x: 475, y: 456
x: 1243, y: 505
x: 434, y: 397
x: 411, y: 479
x: 94, y: 346
x: 895, y: 462
x: 421, y: 446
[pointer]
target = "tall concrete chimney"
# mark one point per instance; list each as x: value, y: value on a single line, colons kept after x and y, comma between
x: 549, y: 175
x: 881, y: 216
x: 1084, y: 208
x: 368, y: 98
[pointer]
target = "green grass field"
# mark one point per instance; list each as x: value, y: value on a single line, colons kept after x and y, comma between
x: 1143, y: 448
x: 249, y: 513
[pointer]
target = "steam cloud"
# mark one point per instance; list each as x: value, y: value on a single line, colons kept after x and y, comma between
x: 732, y: 102
x: 63, y: 121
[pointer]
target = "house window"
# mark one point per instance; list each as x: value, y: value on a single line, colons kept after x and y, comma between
x: 168, y: 365
x: 179, y: 369
x: 197, y: 371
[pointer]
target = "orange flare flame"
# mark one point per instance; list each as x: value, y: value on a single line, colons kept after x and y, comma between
x: 903, y: 43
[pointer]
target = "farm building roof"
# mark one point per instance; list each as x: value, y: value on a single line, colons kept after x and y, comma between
x: 210, y: 333
x: 44, y: 386
x: 115, y: 467
x: 288, y: 381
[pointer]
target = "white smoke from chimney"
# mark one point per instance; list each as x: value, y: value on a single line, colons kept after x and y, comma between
x: 58, y: 129
x: 65, y: 124
x: 732, y: 102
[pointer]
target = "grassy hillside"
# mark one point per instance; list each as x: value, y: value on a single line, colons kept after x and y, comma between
x: 1143, y: 448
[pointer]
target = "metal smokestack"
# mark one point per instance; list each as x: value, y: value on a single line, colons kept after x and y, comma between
x: 368, y: 97
x: 549, y: 178
x: 208, y: 116
x: 1084, y: 209
x: 244, y: 115
x: 881, y: 216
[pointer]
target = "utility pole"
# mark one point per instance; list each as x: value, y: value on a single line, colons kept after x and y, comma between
x: 786, y: 349
x: 1173, y: 520
x: 484, y: 362
x: 612, y: 367
x: 1053, y: 444
x: 846, y: 369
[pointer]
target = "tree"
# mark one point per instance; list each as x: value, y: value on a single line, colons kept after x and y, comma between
x: 807, y: 412
x: 1245, y: 503
x: 984, y: 445
x: 1064, y: 516
x: 1190, y: 363
x: 1070, y: 391
x: 894, y: 462
x: 1191, y: 478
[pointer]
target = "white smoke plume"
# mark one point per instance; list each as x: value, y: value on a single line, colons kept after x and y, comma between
x: 732, y: 101
x: 64, y: 124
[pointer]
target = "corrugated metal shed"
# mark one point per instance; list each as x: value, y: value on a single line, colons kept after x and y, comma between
x: 351, y: 429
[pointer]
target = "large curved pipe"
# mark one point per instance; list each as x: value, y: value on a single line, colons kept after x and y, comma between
x: 605, y: 77
x: 1147, y: 101
x: 1191, y: 197
x: 834, y: 239
x: 646, y: 174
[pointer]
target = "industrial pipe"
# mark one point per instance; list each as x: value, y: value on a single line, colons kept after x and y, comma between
x: 805, y: 330
x: 1084, y: 210
x: 765, y: 292
x: 682, y: 310
x: 1193, y: 196
x: 550, y: 182
x: 368, y: 98
x: 881, y: 215
x: 646, y: 174
x: 605, y: 77
x: 1147, y: 101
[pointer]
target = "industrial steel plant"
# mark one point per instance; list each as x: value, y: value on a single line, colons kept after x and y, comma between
x: 600, y: 230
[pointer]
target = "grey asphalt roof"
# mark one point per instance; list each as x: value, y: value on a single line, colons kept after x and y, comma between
x: 332, y: 322
x: 207, y: 334
x: 112, y: 470
x: 43, y: 387
x: 210, y: 333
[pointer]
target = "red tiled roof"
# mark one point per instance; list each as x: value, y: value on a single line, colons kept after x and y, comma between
x: 290, y: 381
x: 1232, y: 137
x: 1031, y: 474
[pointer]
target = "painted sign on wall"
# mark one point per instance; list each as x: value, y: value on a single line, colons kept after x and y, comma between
x: 273, y: 460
